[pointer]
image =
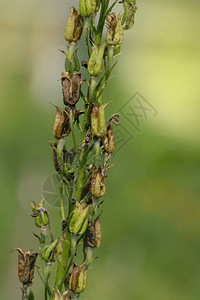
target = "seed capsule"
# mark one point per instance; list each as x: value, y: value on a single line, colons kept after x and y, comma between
x: 71, y: 86
x: 93, y: 235
x: 97, y: 183
x: 74, y: 27
x: 96, y: 60
x: 88, y: 7
x: 47, y: 251
x: 26, y: 264
x: 130, y: 9
x: 78, y: 280
x: 115, y: 32
x: 94, y: 117
x: 79, y: 220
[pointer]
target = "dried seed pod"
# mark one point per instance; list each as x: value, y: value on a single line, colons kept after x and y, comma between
x: 108, y: 140
x: 115, y: 33
x: 66, y: 86
x: 94, y: 118
x: 130, y: 9
x: 74, y: 27
x: 98, y: 234
x: 57, y: 119
x: 71, y: 86
x: 102, y: 121
x: 76, y: 88
x: 26, y: 264
x: 97, y: 183
x: 78, y: 280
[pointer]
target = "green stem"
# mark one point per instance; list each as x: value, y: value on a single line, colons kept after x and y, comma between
x: 62, y: 264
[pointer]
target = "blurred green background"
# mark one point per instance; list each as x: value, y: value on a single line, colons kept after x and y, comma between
x: 151, y: 214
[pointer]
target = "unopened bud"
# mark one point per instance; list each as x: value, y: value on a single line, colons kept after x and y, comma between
x: 96, y: 60
x: 74, y: 27
x: 78, y: 280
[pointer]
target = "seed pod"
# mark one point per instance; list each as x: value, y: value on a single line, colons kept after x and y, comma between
x: 74, y: 27
x: 130, y: 9
x: 97, y: 184
x: 66, y: 86
x: 98, y: 234
x: 102, y: 122
x: 71, y: 86
x: 76, y: 88
x: 78, y: 280
x: 73, y: 283
x: 94, y: 118
x: 82, y: 281
x: 26, y: 264
x: 96, y: 60
x: 86, y: 7
x: 57, y: 119
x: 108, y: 140
x: 115, y: 34
x: 78, y: 223
x: 47, y: 251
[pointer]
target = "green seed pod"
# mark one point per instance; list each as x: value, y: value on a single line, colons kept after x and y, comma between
x: 47, y: 251
x: 87, y: 7
x: 94, y: 118
x: 44, y: 218
x: 96, y: 60
x: 84, y: 227
x: 82, y: 281
x: 80, y: 221
x: 76, y: 214
x: 74, y: 27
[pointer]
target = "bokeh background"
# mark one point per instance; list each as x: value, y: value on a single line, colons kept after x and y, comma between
x: 151, y: 214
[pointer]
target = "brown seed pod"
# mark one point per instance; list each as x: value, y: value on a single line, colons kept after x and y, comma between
x: 97, y: 183
x: 93, y: 235
x: 76, y: 88
x: 26, y: 264
x: 71, y: 86
x: 66, y: 86
x: 74, y: 278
